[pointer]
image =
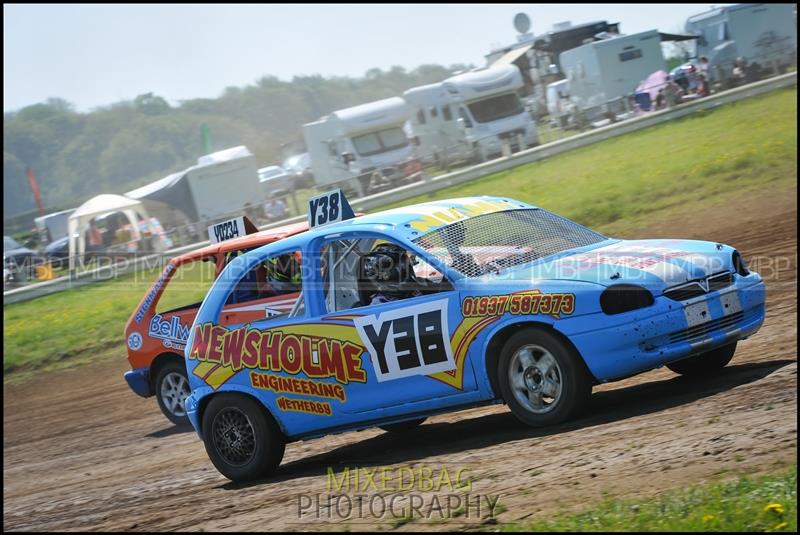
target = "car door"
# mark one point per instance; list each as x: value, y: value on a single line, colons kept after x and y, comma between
x: 409, y: 354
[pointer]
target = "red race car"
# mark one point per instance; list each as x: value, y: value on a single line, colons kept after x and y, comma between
x: 157, y: 330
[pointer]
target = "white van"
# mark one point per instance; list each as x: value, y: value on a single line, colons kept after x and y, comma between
x: 471, y: 116
x: 363, y: 148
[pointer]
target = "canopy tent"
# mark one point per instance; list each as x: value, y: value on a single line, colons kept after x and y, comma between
x: 172, y: 190
x: 676, y: 37
x: 96, y: 207
x: 512, y: 55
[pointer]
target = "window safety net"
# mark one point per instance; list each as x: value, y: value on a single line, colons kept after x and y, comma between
x: 497, y: 241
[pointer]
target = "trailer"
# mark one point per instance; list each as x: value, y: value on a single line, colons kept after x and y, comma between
x: 222, y: 184
x: 602, y: 74
x: 471, y: 116
x: 761, y: 34
x: 363, y: 148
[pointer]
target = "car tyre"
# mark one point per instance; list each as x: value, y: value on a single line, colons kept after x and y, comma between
x: 704, y: 363
x: 402, y: 427
x: 171, y: 389
x: 241, y: 438
x: 543, y: 380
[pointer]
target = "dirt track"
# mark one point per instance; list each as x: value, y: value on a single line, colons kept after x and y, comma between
x: 81, y: 452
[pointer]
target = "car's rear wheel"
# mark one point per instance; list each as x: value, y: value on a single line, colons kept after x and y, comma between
x: 241, y: 438
x: 402, y: 427
x: 172, y: 389
x: 705, y: 363
x: 542, y: 379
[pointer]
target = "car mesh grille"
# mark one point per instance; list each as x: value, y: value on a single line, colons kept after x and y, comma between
x: 511, y: 237
x: 695, y: 289
x: 698, y: 332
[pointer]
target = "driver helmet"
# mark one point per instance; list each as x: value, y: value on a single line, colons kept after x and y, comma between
x: 389, y: 268
x: 284, y: 270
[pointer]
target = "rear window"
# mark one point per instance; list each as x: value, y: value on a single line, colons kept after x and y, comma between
x: 188, y: 286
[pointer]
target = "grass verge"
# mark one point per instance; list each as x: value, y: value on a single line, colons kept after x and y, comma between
x: 765, y: 503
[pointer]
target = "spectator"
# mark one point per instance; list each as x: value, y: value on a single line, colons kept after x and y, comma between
x: 752, y: 73
x: 673, y: 92
x: 704, y: 67
x: 94, y: 238
x: 691, y: 76
x: 661, y: 100
x: 739, y: 70
x: 702, y: 86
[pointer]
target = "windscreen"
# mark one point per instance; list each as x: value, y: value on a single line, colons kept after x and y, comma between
x: 381, y: 141
x: 492, y: 243
x: 491, y: 109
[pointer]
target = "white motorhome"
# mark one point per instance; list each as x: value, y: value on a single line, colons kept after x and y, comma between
x: 363, y: 148
x: 603, y: 73
x: 761, y: 33
x: 471, y: 115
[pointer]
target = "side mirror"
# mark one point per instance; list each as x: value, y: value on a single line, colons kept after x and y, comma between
x: 348, y: 158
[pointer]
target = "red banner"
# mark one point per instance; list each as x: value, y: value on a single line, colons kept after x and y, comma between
x: 35, y: 189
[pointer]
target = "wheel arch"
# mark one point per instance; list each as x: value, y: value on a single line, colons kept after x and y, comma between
x: 202, y: 404
x: 497, y: 340
x: 161, y: 360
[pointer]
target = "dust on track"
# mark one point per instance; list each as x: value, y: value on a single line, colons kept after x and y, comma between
x: 81, y: 452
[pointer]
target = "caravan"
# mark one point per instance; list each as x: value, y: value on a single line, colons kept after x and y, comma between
x: 363, y: 148
x: 471, y: 116
x: 765, y: 34
x: 603, y: 73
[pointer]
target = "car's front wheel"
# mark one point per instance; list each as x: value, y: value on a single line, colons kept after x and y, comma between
x: 705, y: 363
x: 172, y: 389
x: 242, y: 440
x: 542, y: 379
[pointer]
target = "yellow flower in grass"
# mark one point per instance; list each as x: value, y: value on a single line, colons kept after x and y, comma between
x: 708, y: 518
x: 778, y: 508
x: 780, y: 526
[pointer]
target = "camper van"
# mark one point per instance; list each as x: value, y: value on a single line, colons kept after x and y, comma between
x: 601, y: 74
x: 363, y: 148
x: 759, y: 33
x: 471, y: 116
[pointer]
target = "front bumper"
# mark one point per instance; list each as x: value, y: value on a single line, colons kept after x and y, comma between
x: 139, y: 381
x: 671, y: 330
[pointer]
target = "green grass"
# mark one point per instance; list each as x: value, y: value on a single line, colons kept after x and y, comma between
x: 76, y: 324
x: 733, y: 150
x: 766, y: 503
x: 612, y: 186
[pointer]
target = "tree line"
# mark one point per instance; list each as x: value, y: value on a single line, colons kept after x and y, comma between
x: 116, y: 148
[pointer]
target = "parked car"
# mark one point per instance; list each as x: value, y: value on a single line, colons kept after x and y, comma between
x: 441, y: 306
x: 300, y: 166
x: 275, y: 179
x: 157, y: 329
x: 57, y: 252
x: 18, y: 262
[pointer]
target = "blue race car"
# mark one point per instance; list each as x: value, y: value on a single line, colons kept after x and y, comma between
x: 436, y: 307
